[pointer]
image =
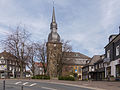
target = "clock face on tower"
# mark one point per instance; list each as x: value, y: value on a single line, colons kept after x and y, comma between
x: 54, y: 45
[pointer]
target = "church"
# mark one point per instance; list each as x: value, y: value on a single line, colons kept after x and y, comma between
x: 71, y: 62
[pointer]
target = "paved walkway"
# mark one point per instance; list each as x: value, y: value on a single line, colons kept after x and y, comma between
x: 96, y: 84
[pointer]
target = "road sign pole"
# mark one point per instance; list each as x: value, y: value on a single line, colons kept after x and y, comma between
x: 22, y: 87
x: 4, y: 85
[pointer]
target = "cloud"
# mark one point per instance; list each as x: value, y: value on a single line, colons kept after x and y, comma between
x: 110, y: 12
x: 3, y: 31
x: 13, y: 14
x: 86, y: 23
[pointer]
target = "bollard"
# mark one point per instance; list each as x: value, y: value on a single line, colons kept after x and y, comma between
x: 4, y: 85
x: 22, y: 87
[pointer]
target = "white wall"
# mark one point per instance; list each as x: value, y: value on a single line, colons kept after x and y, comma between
x: 113, y: 67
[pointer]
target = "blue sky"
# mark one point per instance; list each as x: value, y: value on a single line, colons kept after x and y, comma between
x: 87, y: 23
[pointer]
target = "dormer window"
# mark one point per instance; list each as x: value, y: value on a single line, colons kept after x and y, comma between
x: 117, y: 50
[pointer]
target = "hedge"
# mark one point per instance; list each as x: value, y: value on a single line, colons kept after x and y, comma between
x: 41, y: 77
x: 69, y: 78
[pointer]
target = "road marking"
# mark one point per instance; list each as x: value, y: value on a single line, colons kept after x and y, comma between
x: 48, y: 88
x: 25, y: 83
x: 33, y: 84
x: 18, y: 82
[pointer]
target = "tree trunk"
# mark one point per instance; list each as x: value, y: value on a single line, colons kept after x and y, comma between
x: 21, y: 70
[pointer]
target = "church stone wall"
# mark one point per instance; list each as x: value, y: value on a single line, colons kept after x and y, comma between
x: 54, y: 52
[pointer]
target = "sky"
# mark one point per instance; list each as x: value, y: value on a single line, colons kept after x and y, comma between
x: 86, y: 23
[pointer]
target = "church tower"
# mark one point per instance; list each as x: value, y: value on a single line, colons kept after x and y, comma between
x: 54, y: 50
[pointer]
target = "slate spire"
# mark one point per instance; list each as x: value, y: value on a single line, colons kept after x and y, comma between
x: 53, y: 36
x: 53, y: 16
x: 53, y: 23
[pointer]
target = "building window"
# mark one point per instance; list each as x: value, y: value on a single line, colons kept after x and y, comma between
x: 76, y: 55
x: 10, y: 62
x: 118, y: 70
x: 108, y: 71
x: 117, y: 50
x: 108, y: 54
x: 92, y: 68
x: 96, y: 66
x: 75, y: 67
x: 102, y: 65
x: 2, y: 61
x: 10, y: 68
x: 80, y: 70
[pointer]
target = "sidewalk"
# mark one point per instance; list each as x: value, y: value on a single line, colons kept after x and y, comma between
x: 96, y: 84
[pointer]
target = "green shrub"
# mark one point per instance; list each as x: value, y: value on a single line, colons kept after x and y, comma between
x: 41, y: 77
x: 69, y: 78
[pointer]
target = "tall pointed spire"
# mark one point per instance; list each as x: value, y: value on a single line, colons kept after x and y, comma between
x: 53, y: 36
x: 53, y: 16
x: 53, y: 23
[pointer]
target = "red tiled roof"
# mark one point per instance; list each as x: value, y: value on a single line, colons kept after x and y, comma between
x: 39, y: 64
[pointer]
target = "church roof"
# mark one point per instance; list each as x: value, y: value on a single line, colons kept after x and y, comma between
x: 75, y: 58
x: 54, y: 37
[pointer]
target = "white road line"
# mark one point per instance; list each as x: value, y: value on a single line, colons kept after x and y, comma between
x: 25, y: 83
x: 18, y: 82
x: 48, y: 88
x: 33, y: 84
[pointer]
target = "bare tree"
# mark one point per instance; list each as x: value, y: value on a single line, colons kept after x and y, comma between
x: 42, y: 54
x: 16, y: 43
x: 66, y: 47
x: 31, y: 57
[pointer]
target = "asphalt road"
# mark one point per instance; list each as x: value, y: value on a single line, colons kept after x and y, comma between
x: 33, y: 85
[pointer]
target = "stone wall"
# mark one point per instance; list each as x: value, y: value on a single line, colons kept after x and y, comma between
x: 54, y: 52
